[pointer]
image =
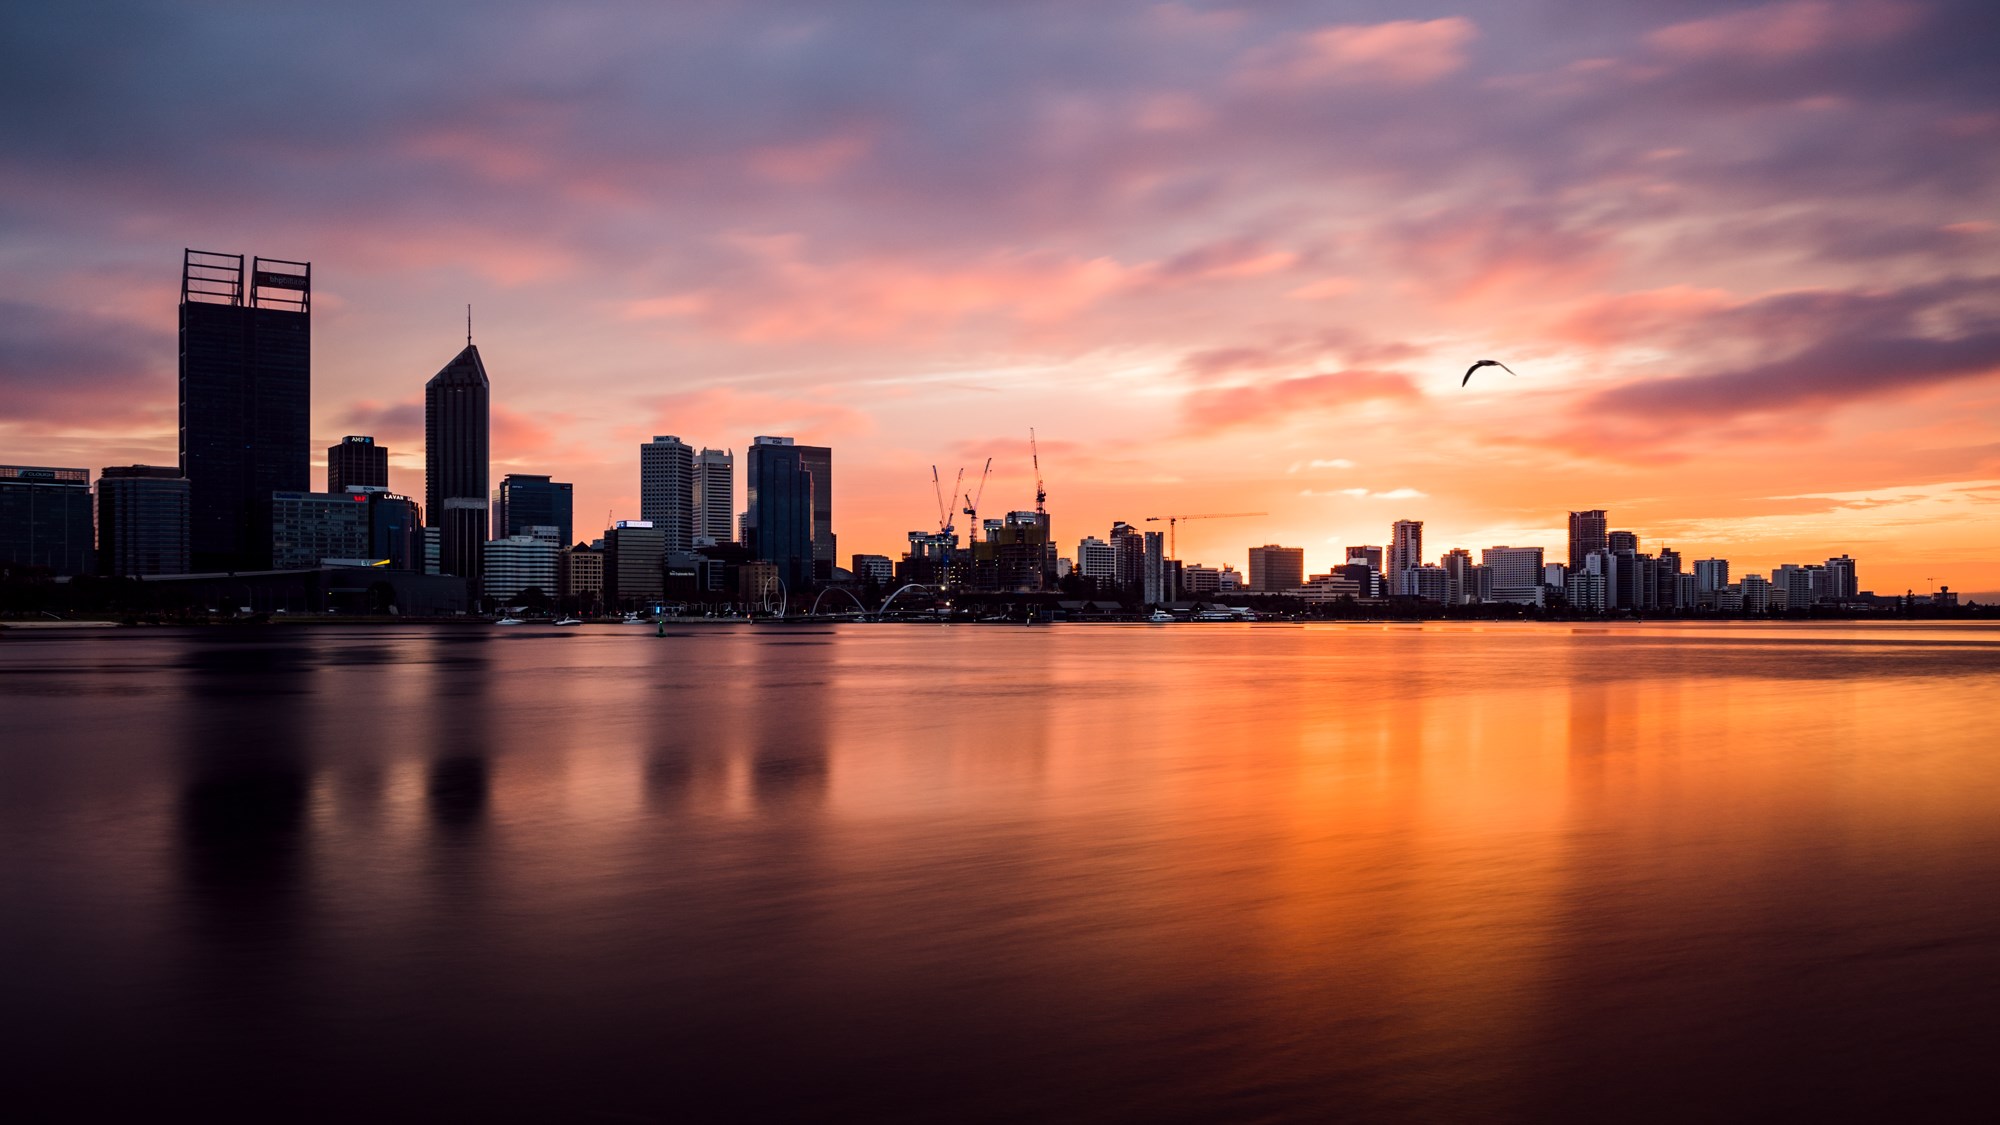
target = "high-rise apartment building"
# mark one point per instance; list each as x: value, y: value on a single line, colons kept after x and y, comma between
x: 528, y: 502
x: 1429, y: 583
x: 1459, y: 588
x: 45, y: 519
x: 1516, y: 574
x: 1711, y: 577
x: 1622, y: 540
x: 1154, y: 581
x: 1842, y: 583
x: 715, y: 495
x: 1587, y: 531
x: 1277, y: 570
x: 356, y: 461
x: 1097, y: 561
x: 779, y: 519
x: 1129, y: 545
x: 142, y: 520
x: 245, y: 395
x: 1406, y: 550
x: 666, y: 489
x: 457, y: 431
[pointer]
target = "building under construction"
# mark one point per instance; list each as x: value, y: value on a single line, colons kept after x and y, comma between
x: 1017, y: 555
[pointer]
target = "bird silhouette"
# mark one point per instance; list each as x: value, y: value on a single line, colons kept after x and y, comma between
x: 1484, y: 363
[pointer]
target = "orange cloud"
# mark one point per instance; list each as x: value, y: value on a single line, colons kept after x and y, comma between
x: 1211, y: 409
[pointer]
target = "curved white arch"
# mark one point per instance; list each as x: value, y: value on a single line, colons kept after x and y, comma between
x: 892, y: 597
x: 824, y: 591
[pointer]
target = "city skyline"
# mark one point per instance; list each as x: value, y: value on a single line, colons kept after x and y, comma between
x: 1746, y: 340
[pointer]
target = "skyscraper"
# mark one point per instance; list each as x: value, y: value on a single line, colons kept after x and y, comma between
x: 666, y: 489
x: 1406, y: 550
x: 1586, y: 534
x: 715, y: 494
x: 818, y: 461
x: 779, y: 518
x: 1277, y: 570
x: 357, y: 460
x: 457, y: 403
x: 535, y: 501
x: 142, y: 520
x: 245, y: 392
x: 1517, y: 574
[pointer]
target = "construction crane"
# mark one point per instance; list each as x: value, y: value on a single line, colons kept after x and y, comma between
x: 972, y: 499
x: 944, y: 506
x: 1173, y: 524
x: 1041, y: 494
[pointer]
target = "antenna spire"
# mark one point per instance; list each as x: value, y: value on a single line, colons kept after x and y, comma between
x: 468, y: 325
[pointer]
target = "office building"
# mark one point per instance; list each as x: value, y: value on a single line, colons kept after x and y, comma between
x: 1711, y: 577
x: 1406, y: 550
x: 580, y: 577
x: 715, y: 495
x: 1331, y: 587
x: 1371, y: 557
x: 308, y: 528
x: 1621, y: 541
x: 1429, y: 583
x: 356, y: 462
x: 634, y: 554
x: 879, y: 569
x: 457, y: 430
x: 1200, y: 581
x: 395, y: 530
x: 666, y: 489
x: 1097, y: 560
x: 142, y: 520
x: 45, y: 519
x: 818, y: 463
x: 1277, y: 570
x: 780, y: 492
x: 1516, y: 574
x: 520, y: 565
x: 245, y: 394
x: 1228, y: 580
x: 527, y: 502
x: 1587, y: 533
x: 1842, y: 584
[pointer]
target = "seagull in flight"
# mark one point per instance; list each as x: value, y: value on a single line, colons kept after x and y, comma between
x: 1484, y: 363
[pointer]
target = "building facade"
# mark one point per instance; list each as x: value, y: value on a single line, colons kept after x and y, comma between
x: 457, y: 432
x: 1516, y: 574
x: 666, y: 489
x: 780, y: 493
x: 1406, y: 550
x: 715, y: 495
x: 308, y: 528
x: 356, y: 461
x: 634, y: 555
x: 528, y: 502
x: 1277, y: 570
x: 142, y: 520
x: 1587, y: 533
x: 879, y: 569
x: 45, y: 519
x: 518, y: 565
x: 245, y: 397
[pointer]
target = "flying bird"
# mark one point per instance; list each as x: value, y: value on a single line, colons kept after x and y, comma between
x: 1484, y: 363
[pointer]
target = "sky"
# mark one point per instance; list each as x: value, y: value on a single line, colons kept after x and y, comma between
x: 1745, y: 258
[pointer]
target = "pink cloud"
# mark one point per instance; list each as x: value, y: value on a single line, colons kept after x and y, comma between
x: 1788, y: 30
x: 1397, y: 53
x: 1217, y: 408
x: 814, y: 161
x: 727, y: 410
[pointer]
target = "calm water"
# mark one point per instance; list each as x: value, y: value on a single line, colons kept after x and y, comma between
x: 943, y: 874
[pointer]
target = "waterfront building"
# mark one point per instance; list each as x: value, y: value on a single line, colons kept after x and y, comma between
x: 1277, y: 570
x: 1371, y: 557
x: 1586, y: 589
x: 308, y: 528
x: 1200, y: 581
x: 1757, y: 593
x: 1097, y: 560
x: 1129, y: 545
x: 779, y: 522
x: 1228, y: 580
x: 715, y: 495
x: 1331, y: 587
x: 634, y: 554
x: 526, y: 502
x: 1429, y: 583
x: 1406, y: 550
x: 666, y: 489
x: 1516, y: 574
x: 1587, y: 534
x: 1842, y: 583
x: 1155, y: 585
x: 142, y: 520
x: 245, y: 395
x: 880, y: 569
x: 518, y: 564
x: 457, y: 430
x: 1458, y: 566
x: 45, y: 519
x: 356, y: 461
x: 396, y: 529
x: 580, y: 576
x: 1711, y: 576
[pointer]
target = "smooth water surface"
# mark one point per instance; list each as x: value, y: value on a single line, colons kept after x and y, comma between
x: 926, y: 873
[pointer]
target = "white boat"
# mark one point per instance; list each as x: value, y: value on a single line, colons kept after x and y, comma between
x: 1159, y: 617
x: 510, y: 621
x: 570, y: 621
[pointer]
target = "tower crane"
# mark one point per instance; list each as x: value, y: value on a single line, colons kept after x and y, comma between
x: 972, y: 500
x: 1173, y: 524
x: 1041, y: 494
x: 944, y: 506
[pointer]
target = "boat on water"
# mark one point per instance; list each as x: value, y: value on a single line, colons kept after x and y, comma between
x: 570, y: 621
x: 1159, y: 617
x: 510, y: 621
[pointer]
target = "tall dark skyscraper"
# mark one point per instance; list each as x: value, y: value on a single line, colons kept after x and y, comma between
x: 356, y: 460
x: 1587, y: 533
x: 456, y: 418
x: 818, y: 461
x: 142, y: 520
x: 533, y: 501
x: 245, y: 392
x: 779, y: 519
